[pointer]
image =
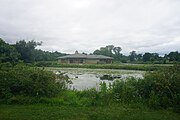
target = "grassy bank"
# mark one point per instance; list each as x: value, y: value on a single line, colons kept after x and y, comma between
x: 45, y: 112
x: 145, y: 67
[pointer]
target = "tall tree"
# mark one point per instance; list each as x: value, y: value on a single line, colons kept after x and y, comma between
x: 133, y: 56
x: 139, y: 57
x: 147, y: 57
x: 97, y: 52
x: 8, y: 53
x: 105, y: 51
x: 154, y: 57
x: 27, y: 50
x: 117, y: 51
x: 174, y: 56
x: 109, y: 50
x: 150, y: 57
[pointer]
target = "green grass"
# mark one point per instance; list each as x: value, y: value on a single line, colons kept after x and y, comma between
x: 46, y: 112
x: 144, y: 67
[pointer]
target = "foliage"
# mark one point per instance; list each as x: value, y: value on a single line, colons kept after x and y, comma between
x: 159, y: 89
x: 112, y: 51
x: 165, y: 85
x: 30, y: 54
x: 23, y: 85
x: 133, y: 56
x: 117, y: 54
x: 27, y: 50
x: 174, y: 56
x: 108, y: 51
x: 150, y: 57
x: 145, y: 67
x: 7, y: 52
x: 41, y: 55
x: 28, y: 81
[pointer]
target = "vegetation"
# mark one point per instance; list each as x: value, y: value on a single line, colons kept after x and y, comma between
x: 134, y: 57
x: 160, y: 89
x: 144, y: 67
x: 110, y: 51
x: 22, y: 80
x: 47, y: 112
x: 8, y: 53
x: 25, y: 51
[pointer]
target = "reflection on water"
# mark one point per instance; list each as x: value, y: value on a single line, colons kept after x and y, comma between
x: 91, y: 78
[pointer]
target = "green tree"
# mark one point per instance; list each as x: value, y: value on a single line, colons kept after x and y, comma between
x: 139, y: 57
x: 8, y: 53
x: 154, y: 57
x: 150, y: 57
x: 97, y: 52
x: 105, y: 51
x: 146, y: 57
x: 109, y: 50
x: 27, y: 50
x: 174, y: 56
x: 117, y: 51
x: 133, y: 56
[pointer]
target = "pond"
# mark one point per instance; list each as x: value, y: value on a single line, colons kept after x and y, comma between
x: 83, y: 78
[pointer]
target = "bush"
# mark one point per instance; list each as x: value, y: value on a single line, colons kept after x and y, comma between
x: 91, y: 96
x: 162, y: 86
x: 28, y: 81
x: 158, y: 89
x: 165, y: 84
x: 126, y: 91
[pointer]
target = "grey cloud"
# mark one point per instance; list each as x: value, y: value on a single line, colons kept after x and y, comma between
x: 86, y: 25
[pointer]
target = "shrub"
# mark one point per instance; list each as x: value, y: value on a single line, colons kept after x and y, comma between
x: 91, y: 96
x: 28, y: 81
x: 162, y: 86
x: 126, y: 91
x: 158, y: 89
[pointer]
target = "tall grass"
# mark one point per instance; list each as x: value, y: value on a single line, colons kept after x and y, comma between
x: 145, y: 67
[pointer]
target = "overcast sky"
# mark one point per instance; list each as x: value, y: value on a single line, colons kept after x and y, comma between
x: 86, y: 25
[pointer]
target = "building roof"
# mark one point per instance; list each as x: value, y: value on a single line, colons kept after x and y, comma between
x: 98, y: 57
x: 77, y: 55
x: 74, y: 56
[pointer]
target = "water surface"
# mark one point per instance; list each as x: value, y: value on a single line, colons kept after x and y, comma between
x: 83, y: 78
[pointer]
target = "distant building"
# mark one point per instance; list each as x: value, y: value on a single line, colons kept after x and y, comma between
x: 78, y: 58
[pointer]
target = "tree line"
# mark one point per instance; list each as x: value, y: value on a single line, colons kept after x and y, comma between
x: 27, y: 52
x: 134, y: 57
